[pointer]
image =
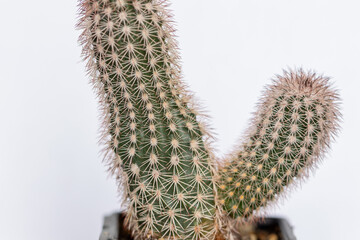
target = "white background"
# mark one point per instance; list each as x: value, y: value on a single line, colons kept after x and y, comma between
x: 52, y: 182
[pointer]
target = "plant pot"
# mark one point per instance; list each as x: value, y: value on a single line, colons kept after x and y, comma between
x: 268, y: 229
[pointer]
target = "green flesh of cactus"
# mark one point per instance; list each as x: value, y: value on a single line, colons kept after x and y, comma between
x: 157, y: 140
x: 290, y: 132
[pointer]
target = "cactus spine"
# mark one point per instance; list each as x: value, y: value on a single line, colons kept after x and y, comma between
x: 291, y: 130
x: 154, y: 141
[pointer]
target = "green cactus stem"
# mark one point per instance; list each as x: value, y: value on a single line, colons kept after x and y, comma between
x: 154, y: 141
x: 289, y: 134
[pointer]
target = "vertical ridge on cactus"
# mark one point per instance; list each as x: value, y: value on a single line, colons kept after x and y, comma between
x: 154, y: 142
x: 295, y: 121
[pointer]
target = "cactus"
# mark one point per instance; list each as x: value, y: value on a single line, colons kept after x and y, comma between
x: 296, y: 119
x: 155, y: 140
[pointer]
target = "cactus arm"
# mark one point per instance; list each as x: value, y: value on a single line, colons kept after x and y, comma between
x: 295, y: 122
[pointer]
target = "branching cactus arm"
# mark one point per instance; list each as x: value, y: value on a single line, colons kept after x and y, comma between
x: 296, y: 119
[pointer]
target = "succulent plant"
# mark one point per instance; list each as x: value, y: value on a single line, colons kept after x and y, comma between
x: 155, y: 139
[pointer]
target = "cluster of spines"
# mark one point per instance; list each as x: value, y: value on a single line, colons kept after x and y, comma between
x: 290, y: 132
x: 152, y: 133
